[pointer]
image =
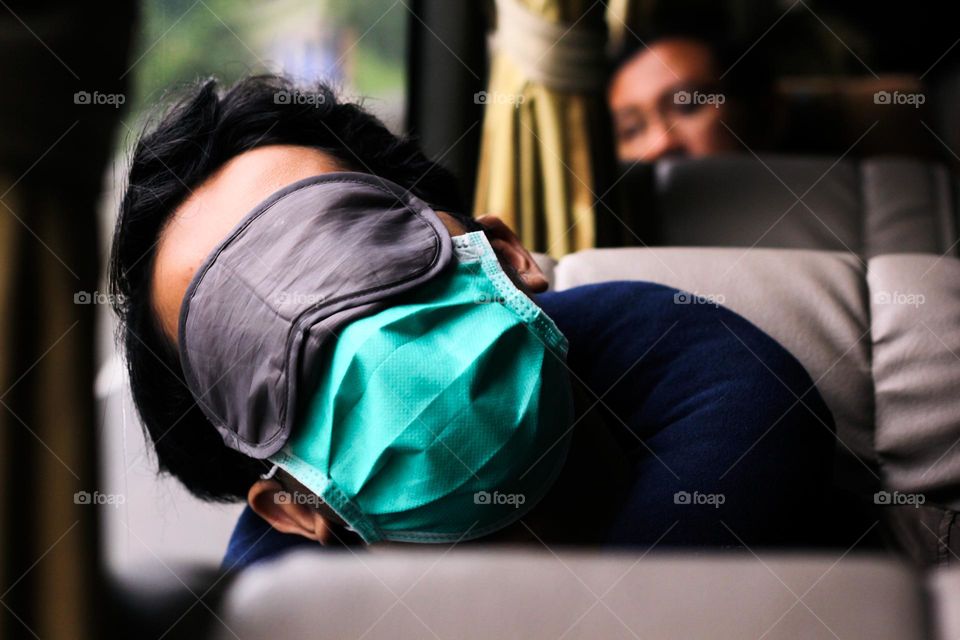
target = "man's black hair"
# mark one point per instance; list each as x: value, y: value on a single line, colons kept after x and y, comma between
x: 202, y: 130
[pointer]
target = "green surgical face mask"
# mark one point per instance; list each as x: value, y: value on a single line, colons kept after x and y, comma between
x: 444, y: 417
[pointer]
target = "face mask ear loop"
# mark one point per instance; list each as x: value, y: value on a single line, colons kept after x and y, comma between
x: 268, y: 475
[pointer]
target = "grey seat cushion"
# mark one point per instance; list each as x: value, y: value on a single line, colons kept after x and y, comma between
x: 536, y: 593
x: 944, y: 587
x: 915, y: 309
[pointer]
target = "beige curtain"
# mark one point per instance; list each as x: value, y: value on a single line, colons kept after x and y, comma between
x: 546, y: 151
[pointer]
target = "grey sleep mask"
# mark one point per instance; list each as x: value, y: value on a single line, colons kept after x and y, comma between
x: 306, y: 261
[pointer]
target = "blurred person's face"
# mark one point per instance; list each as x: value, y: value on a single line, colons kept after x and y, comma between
x: 664, y: 101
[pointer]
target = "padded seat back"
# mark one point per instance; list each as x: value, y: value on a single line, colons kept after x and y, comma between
x: 880, y: 339
x: 868, y: 207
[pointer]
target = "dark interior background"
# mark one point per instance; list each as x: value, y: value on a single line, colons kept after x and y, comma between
x: 826, y: 58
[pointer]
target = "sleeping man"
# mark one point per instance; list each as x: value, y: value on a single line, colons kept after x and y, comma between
x: 312, y: 325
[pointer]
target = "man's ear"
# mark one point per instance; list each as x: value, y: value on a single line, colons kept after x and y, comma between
x: 273, y: 503
x: 506, y: 243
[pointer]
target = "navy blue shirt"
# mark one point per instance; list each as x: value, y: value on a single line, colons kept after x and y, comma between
x: 729, y: 442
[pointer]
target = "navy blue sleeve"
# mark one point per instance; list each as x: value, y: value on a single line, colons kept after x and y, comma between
x: 710, y: 409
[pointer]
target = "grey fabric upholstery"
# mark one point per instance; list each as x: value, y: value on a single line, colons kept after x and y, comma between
x: 908, y: 206
x: 915, y: 308
x: 928, y: 534
x: 944, y: 587
x: 497, y: 593
x: 869, y: 207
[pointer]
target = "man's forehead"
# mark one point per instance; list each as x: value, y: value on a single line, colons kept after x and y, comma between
x: 245, y: 181
x: 215, y: 207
